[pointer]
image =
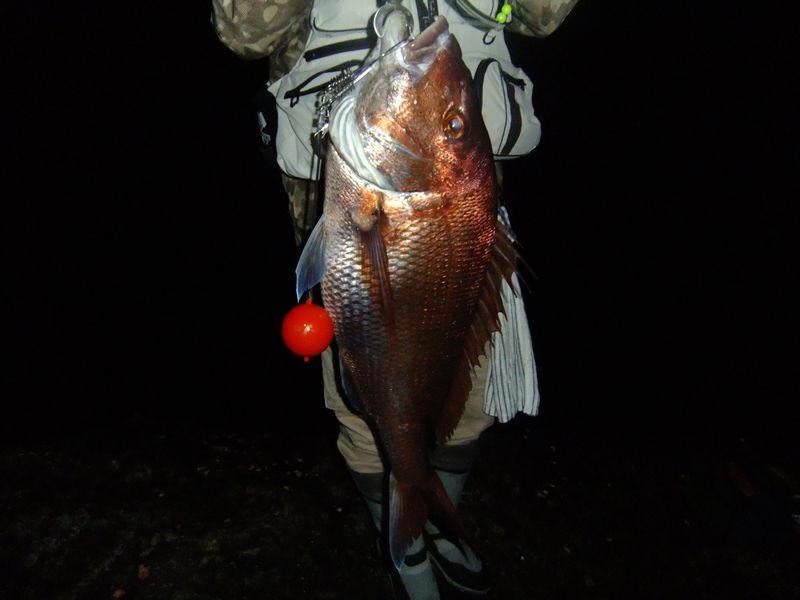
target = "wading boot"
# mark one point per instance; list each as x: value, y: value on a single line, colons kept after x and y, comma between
x: 459, y: 568
x: 415, y: 580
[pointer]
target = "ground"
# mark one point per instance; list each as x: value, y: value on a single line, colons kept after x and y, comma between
x: 558, y: 511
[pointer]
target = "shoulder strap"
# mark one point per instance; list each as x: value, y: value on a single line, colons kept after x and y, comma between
x: 364, y: 43
x: 515, y: 113
x: 514, y: 110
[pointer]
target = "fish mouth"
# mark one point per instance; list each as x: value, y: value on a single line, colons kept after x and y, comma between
x: 430, y: 33
x: 424, y: 48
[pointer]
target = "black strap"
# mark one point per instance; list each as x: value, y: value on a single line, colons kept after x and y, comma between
x: 346, y: 46
x: 480, y: 75
x: 412, y: 560
x: 515, y: 116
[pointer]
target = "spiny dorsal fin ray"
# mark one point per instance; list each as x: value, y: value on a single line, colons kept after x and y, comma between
x: 502, y: 265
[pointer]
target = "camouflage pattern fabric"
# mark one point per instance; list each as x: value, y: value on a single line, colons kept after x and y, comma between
x: 257, y: 28
x: 284, y: 58
x: 539, y: 18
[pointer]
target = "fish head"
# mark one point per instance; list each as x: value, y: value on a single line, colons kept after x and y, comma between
x: 415, y: 121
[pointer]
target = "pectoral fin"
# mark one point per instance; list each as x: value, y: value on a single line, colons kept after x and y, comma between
x: 370, y: 220
x: 311, y: 264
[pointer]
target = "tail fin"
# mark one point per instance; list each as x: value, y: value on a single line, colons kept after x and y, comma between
x: 410, y: 506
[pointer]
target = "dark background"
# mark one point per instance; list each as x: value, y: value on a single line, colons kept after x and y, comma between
x: 148, y: 255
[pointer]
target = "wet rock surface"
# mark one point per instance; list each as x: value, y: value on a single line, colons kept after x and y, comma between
x: 556, y: 511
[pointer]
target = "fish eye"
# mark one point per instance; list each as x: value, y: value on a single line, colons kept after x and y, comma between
x: 454, y: 124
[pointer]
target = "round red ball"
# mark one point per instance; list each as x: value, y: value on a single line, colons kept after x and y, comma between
x: 307, y: 329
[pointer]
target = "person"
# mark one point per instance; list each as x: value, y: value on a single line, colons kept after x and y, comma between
x: 309, y: 43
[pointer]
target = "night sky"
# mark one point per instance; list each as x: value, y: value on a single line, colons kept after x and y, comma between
x: 148, y: 255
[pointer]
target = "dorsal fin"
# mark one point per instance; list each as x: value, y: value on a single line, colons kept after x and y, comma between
x: 502, y: 265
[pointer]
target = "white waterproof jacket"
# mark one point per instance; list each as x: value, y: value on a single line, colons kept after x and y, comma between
x: 339, y: 40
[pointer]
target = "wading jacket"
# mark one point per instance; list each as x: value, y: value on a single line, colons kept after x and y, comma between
x: 310, y: 42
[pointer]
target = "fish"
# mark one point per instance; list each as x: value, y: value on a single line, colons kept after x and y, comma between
x: 410, y: 256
